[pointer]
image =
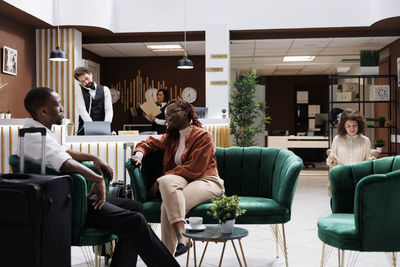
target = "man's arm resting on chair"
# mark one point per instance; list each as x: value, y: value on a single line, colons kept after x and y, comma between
x: 97, y: 162
x: 98, y: 188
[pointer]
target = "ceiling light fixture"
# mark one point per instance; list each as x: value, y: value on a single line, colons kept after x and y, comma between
x: 343, y: 69
x: 184, y: 63
x: 58, y: 54
x: 165, y: 47
x: 298, y: 58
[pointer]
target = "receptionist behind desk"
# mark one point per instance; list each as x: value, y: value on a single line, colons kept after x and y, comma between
x: 93, y: 101
x: 158, y: 122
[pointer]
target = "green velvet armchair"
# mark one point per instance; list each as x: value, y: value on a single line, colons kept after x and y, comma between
x: 264, y: 178
x: 81, y: 235
x: 365, y: 209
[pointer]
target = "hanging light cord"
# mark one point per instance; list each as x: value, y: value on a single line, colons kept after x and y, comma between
x: 184, y: 24
x: 58, y: 36
x: 58, y: 24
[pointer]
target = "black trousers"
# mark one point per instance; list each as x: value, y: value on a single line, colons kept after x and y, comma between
x: 122, y: 217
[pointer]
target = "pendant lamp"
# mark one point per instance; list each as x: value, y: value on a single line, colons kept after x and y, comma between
x: 58, y: 54
x: 184, y: 63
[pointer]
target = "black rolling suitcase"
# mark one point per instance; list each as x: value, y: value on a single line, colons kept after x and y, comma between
x: 35, y: 216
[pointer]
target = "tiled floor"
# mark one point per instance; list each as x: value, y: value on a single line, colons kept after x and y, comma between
x: 304, y: 248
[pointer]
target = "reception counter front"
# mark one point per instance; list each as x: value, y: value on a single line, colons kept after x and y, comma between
x: 108, y: 148
x: 293, y: 141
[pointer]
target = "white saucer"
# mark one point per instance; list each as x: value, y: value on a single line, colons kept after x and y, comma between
x: 200, y: 228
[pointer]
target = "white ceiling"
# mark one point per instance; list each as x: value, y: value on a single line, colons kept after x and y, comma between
x: 266, y: 56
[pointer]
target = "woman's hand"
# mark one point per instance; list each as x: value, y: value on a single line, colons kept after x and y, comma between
x: 332, y: 157
x: 137, y: 160
x: 151, y: 117
x: 332, y: 160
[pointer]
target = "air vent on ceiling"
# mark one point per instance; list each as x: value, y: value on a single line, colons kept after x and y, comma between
x: 350, y: 60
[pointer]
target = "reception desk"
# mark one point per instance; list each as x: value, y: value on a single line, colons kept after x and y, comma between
x: 293, y: 141
x: 108, y: 148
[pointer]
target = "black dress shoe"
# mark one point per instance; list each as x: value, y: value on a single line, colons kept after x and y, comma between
x: 180, y: 249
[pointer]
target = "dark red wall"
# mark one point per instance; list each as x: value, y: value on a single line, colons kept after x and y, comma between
x: 22, y: 38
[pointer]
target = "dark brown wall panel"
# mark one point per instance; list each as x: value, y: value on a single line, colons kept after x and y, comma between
x: 280, y: 96
x: 21, y: 38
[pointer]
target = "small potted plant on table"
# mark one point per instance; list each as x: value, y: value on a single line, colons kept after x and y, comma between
x: 226, y: 210
x: 8, y: 114
x: 378, y: 144
x: 2, y: 114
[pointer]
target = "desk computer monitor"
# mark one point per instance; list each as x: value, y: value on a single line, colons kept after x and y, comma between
x: 321, y: 121
x: 97, y: 128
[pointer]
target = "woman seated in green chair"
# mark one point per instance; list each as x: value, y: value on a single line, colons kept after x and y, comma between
x: 350, y: 145
x: 190, y: 174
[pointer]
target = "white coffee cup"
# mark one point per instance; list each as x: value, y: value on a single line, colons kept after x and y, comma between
x: 195, y: 222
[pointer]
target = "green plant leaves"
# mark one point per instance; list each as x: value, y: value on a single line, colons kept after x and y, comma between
x: 243, y: 110
x: 225, y: 208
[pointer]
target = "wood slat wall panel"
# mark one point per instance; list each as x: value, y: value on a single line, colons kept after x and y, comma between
x: 132, y: 94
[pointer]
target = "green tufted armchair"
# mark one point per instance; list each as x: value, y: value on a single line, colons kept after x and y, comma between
x: 264, y: 178
x: 365, y: 209
x: 81, y: 235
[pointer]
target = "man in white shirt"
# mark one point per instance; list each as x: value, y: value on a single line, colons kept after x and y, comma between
x: 93, y: 101
x: 119, y: 216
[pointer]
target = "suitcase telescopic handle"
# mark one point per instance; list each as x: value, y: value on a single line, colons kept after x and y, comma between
x: 132, y: 146
x: 40, y: 130
x: 21, y: 135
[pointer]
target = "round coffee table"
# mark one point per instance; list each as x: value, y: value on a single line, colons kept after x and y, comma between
x: 213, y: 234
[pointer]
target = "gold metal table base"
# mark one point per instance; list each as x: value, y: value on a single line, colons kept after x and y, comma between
x: 222, y: 253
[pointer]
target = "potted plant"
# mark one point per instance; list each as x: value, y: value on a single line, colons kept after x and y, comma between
x: 381, y: 121
x: 378, y: 144
x: 1, y: 114
x: 70, y: 128
x: 339, y: 88
x: 369, y: 62
x: 244, y: 110
x: 226, y: 210
x: 223, y: 113
x: 8, y: 114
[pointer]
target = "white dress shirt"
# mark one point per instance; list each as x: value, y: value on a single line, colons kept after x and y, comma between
x: 349, y: 149
x: 56, y: 154
x: 81, y: 107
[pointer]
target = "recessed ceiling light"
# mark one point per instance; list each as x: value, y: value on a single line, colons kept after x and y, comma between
x: 166, y: 47
x: 343, y: 69
x: 298, y: 58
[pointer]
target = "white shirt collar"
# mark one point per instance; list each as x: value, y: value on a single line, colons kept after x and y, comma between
x: 34, y: 123
x: 352, y: 137
x: 185, y: 132
x: 88, y: 88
